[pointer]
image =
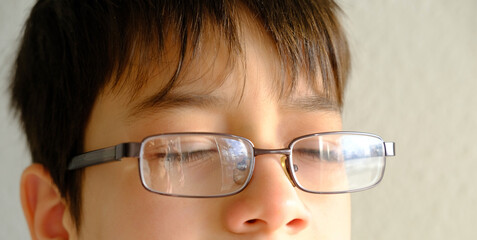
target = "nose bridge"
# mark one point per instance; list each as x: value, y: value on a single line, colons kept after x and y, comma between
x: 283, y: 160
x: 282, y: 151
x: 268, y: 203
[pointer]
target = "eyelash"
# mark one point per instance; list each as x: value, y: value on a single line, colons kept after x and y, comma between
x: 186, y: 157
x: 331, y: 156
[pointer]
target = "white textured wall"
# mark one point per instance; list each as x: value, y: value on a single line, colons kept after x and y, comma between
x: 413, y: 82
x: 14, y: 156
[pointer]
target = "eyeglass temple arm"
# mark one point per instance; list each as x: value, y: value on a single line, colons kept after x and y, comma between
x: 389, y: 149
x: 104, y: 155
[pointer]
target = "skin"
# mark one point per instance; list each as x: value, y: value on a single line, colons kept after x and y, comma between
x: 116, y: 205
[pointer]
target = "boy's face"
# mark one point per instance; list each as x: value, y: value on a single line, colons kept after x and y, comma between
x: 116, y: 205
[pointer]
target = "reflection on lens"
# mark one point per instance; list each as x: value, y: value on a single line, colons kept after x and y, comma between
x: 196, y: 164
x: 338, y: 162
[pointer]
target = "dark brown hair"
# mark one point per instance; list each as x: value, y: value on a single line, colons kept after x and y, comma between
x: 72, y: 48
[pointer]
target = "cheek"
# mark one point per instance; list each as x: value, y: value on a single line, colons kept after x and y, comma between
x: 116, y: 206
x: 331, y: 214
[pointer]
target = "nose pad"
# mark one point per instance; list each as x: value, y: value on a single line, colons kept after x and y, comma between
x: 285, y: 168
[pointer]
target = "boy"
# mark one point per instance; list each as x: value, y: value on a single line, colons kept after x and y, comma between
x: 188, y: 120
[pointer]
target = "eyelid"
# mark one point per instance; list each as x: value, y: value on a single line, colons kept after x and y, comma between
x: 330, y: 155
x: 184, y: 155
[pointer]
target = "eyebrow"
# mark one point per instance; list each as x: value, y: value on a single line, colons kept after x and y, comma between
x: 155, y: 103
x: 312, y: 103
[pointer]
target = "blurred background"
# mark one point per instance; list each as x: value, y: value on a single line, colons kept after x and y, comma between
x: 414, y: 80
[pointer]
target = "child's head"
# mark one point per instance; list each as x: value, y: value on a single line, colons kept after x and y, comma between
x: 94, y: 74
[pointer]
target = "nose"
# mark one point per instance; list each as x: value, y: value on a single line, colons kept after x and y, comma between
x: 269, y: 203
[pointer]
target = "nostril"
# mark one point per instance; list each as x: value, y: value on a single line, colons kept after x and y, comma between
x: 251, y: 221
x: 296, y: 224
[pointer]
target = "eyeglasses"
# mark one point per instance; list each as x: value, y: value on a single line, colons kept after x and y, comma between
x: 216, y: 165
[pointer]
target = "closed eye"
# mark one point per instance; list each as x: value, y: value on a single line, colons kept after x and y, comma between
x: 315, y: 155
x: 184, y: 157
x: 199, y: 155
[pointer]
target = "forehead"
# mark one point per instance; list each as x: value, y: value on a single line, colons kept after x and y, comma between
x: 214, y: 70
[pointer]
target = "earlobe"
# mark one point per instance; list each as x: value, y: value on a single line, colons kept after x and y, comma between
x: 42, y: 204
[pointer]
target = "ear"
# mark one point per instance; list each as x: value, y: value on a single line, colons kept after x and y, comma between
x: 42, y: 204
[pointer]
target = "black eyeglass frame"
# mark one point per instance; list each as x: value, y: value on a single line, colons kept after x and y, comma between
x: 133, y: 150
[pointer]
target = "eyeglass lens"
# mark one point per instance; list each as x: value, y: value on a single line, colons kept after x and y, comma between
x: 333, y: 163
x: 196, y: 165
x: 217, y: 165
